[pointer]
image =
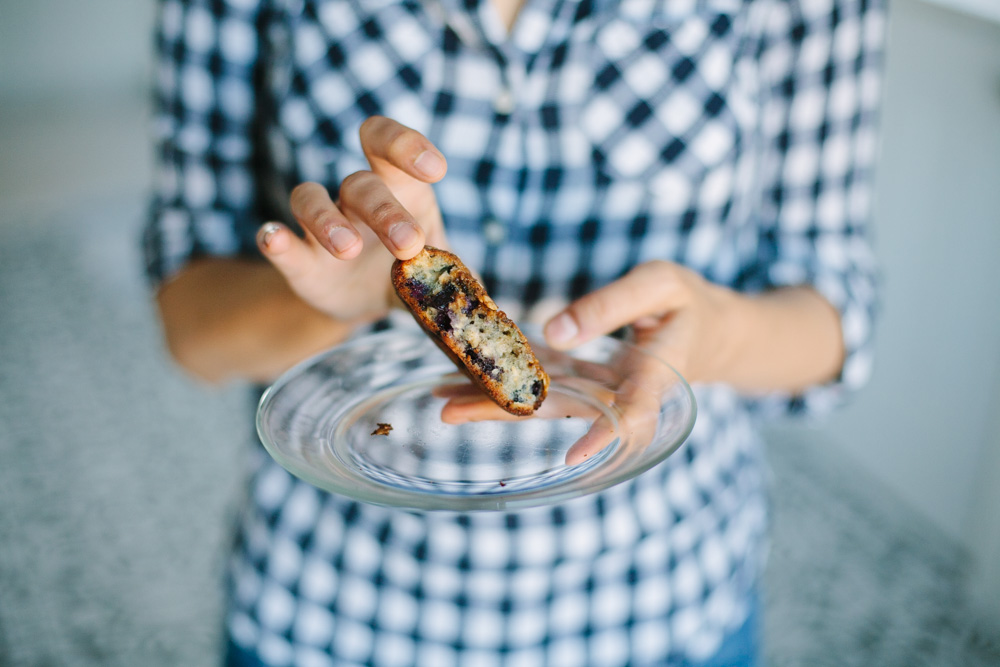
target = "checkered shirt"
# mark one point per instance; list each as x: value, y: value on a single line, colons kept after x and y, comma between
x: 736, y: 137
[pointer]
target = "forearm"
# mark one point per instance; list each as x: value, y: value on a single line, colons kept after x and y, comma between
x: 784, y: 340
x: 231, y: 318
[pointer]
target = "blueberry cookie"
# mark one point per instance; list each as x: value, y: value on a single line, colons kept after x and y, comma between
x: 451, y: 305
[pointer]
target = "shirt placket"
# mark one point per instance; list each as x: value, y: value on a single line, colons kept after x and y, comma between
x: 479, y: 28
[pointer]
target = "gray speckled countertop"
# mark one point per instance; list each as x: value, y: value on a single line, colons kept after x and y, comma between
x: 119, y: 476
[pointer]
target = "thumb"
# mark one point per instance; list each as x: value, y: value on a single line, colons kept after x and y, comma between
x: 649, y: 290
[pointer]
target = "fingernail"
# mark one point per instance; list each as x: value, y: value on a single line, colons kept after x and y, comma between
x: 429, y: 164
x: 403, y: 235
x: 562, y: 329
x: 266, y: 233
x: 342, y: 238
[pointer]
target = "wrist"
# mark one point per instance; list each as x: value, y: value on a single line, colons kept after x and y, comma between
x: 787, y: 339
x: 736, y: 320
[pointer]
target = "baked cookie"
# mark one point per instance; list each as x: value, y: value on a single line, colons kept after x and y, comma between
x: 451, y: 305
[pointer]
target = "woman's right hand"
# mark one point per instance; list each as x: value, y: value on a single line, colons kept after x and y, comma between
x: 341, y: 265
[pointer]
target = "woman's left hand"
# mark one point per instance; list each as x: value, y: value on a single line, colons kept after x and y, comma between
x: 785, y: 339
x: 675, y: 313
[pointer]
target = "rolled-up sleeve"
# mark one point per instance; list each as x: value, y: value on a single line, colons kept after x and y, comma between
x: 205, y: 195
x: 822, y: 67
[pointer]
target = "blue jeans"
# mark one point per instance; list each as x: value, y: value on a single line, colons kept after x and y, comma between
x: 742, y: 647
x: 739, y: 649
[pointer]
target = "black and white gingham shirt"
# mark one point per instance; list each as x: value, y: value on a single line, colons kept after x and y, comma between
x: 734, y: 136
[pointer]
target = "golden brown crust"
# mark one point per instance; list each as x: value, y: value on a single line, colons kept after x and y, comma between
x: 469, y: 299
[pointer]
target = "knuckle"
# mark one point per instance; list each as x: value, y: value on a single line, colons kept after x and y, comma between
x: 300, y: 193
x: 386, y: 138
x: 396, y: 145
x: 658, y: 274
x: 402, y: 143
x: 593, y: 309
x: 659, y: 268
x: 385, y: 213
x: 370, y: 125
x: 355, y: 183
x: 670, y: 282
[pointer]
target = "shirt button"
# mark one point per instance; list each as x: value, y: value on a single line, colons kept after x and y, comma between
x: 503, y: 103
x: 494, y: 231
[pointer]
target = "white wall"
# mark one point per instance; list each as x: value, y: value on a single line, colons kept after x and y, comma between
x: 923, y: 424
x: 928, y: 424
x: 74, y: 102
x: 988, y: 9
x: 53, y: 47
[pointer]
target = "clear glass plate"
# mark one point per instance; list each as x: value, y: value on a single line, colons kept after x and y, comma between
x: 613, y: 411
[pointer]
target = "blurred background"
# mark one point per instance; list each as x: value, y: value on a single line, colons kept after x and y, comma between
x: 119, y: 476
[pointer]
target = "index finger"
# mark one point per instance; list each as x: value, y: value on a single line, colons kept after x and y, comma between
x: 388, y: 144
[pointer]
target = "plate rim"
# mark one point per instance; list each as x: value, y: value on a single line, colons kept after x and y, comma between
x: 496, y: 501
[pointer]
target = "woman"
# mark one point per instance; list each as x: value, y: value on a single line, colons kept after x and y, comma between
x: 699, y: 171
